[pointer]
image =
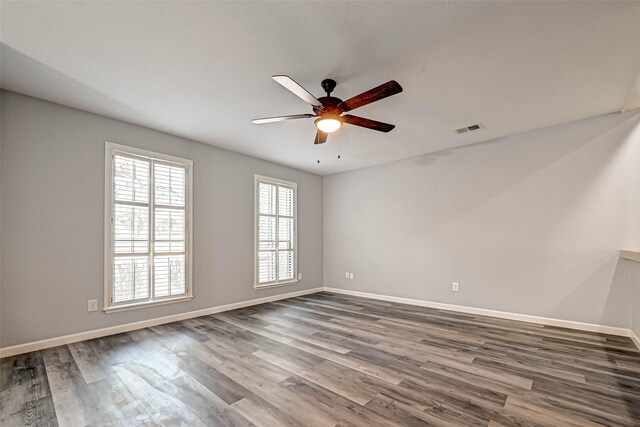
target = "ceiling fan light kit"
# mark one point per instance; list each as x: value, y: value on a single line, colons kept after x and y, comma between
x: 328, y: 123
x: 329, y: 109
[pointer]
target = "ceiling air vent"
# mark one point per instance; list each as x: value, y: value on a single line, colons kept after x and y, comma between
x: 470, y: 128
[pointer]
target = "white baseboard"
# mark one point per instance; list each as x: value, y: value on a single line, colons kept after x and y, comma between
x: 97, y: 333
x: 590, y: 327
x: 634, y: 338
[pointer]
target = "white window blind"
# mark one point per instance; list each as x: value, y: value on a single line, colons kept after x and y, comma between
x: 276, y: 235
x: 148, y: 210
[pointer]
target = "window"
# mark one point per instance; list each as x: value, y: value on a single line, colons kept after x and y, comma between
x: 147, y: 230
x: 276, y: 232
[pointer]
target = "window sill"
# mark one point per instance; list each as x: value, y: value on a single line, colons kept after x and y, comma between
x: 125, y: 307
x: 274, y: 285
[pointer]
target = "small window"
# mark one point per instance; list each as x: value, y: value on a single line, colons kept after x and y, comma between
x: 276, y: 232
x: 147, y: 230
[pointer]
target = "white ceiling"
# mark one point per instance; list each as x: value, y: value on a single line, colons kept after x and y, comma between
x: 202, y: 70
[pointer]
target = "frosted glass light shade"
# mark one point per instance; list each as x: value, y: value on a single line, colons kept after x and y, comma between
x: 328, y: 125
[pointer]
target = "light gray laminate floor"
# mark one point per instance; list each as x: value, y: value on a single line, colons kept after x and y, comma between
x: 327, y: 360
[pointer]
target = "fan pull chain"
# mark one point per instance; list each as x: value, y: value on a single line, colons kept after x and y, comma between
x: 318, y: 150
x: 339, y: 139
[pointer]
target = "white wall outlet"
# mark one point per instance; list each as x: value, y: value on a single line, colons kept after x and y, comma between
x: 92, y: 305
x: 346, y: 275
x: 455, y: 286
x: 299, y: 276
x: 351, y: 276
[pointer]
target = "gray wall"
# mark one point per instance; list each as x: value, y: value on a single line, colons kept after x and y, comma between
x: 52, y: 220
x: 530, y: 224
x: 634, y: 277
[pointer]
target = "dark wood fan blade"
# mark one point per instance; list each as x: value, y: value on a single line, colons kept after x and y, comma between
x: 367, y: 123
x: 372, y: 95
x: 298, y: 90
x: 321, y: 137
x: 281, y: 118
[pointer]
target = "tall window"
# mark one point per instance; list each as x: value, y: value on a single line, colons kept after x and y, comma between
x: 276, y: 232
x: 147, y: 235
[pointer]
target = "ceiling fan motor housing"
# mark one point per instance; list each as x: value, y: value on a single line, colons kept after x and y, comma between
x: 329, y: 104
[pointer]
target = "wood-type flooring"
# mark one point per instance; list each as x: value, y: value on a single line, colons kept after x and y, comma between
x: 329, y: 360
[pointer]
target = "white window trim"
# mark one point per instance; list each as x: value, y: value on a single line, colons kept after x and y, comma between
x: 110, y: 149
x: 256, y: 199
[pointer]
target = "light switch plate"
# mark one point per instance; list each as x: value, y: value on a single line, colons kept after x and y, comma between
x: 92, y: 305
x: 346, y: 275
x: 351, y: 276
x: 299, y: 276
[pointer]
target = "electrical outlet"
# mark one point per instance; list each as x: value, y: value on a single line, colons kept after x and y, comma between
x: 92, y: 305
x: 455, y: 286
x: 346, y: 275
x: 299, y: 276
x: 351, y: 276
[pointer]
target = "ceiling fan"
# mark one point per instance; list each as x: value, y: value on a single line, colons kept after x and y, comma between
x: 329, y: 110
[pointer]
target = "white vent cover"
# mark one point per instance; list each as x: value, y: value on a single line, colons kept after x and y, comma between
x: 470, y: 128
